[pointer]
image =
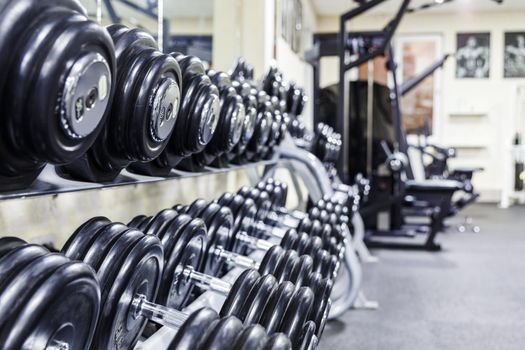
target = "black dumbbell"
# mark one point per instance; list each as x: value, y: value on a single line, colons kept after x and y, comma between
x: 248, y: 94
x: 144, y: 109
x: 271, y: 130
x: 247, y: 237
x: 297, y: 129
x: 295, y: 99
x: 197, y: 122
x: 277, y: 127
x: 132, y: 266
x: 328, y: 210
x: 48, y: 301
x: 229, y: 126
x: 279, y: 109
x: 326, y: 144
x: 228, y: 243
x: 272, y: 81
x: 263, y: 127
x: 333, y: 237
x: 206, y: 330
x: 283, y: 265
x: 247, y: 232
x: 242, y: 70
x: 229, y: 129
x: 57, y: 81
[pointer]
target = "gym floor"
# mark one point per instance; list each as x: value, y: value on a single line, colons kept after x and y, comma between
x: 471, y: 295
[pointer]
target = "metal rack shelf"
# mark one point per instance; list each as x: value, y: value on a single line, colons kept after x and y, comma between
x: 49, y: 183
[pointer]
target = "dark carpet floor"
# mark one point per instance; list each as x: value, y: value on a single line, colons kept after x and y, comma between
x: 471, y: 295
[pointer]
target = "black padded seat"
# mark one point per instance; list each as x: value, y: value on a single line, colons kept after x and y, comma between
x: 433, y: 185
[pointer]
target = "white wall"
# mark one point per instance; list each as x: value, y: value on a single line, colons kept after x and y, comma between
x: 191, y: 25
x: 293, y: 66
x: 476, y: 114
x: 243, y: 28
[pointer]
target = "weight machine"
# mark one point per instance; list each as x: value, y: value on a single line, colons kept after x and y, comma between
x: 392, y: 199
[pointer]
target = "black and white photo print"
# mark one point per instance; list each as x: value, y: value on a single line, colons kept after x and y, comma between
x: 514, y: 64
x: 473, y: 55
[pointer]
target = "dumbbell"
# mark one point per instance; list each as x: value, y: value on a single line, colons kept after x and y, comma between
x: 143, y: 112
x: 296, y: 128
x: 243, y: 227
x: 263, y: 128
x: 205, y: 329
x: 278, y: 127
x: 196, y: 123
x: 228, y: 243
x: 333, y: 238
x: 247, y: 237
x: 242, y: 70
x: 327, y: 210
x: 272, y: 81
x: 48, y: 300
x: 248, y: 94
x: 132, y: 266
x: 278, y: 191
x: 326, y: 144
x: 283, y: 266
x: 229, y: 126
x: 45, y: 293
x: 57, y: 81
x: 295, y: 99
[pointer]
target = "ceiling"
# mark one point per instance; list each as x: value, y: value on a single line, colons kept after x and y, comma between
x: 204, y: 8
x: 337, y: 7
x: 172, y: 9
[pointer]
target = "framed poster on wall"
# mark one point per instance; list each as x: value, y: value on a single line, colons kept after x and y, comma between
x: 473, y: 55
x: 292, y: 23
x: 514, y: 53
x: 420, y: 106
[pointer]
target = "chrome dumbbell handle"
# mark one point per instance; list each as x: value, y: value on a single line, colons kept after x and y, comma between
x: 269, y: 230
x: 254, y: 242
x: 236, y: 259
x: 284, y: 221
x: 187, y: 274
x: 163, y: 315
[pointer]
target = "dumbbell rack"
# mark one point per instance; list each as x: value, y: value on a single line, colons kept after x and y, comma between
x: 300, y: 163
x: 49, y: 183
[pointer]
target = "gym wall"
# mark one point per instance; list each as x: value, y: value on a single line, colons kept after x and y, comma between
x: 52, y: 220
x: 478, y: 116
